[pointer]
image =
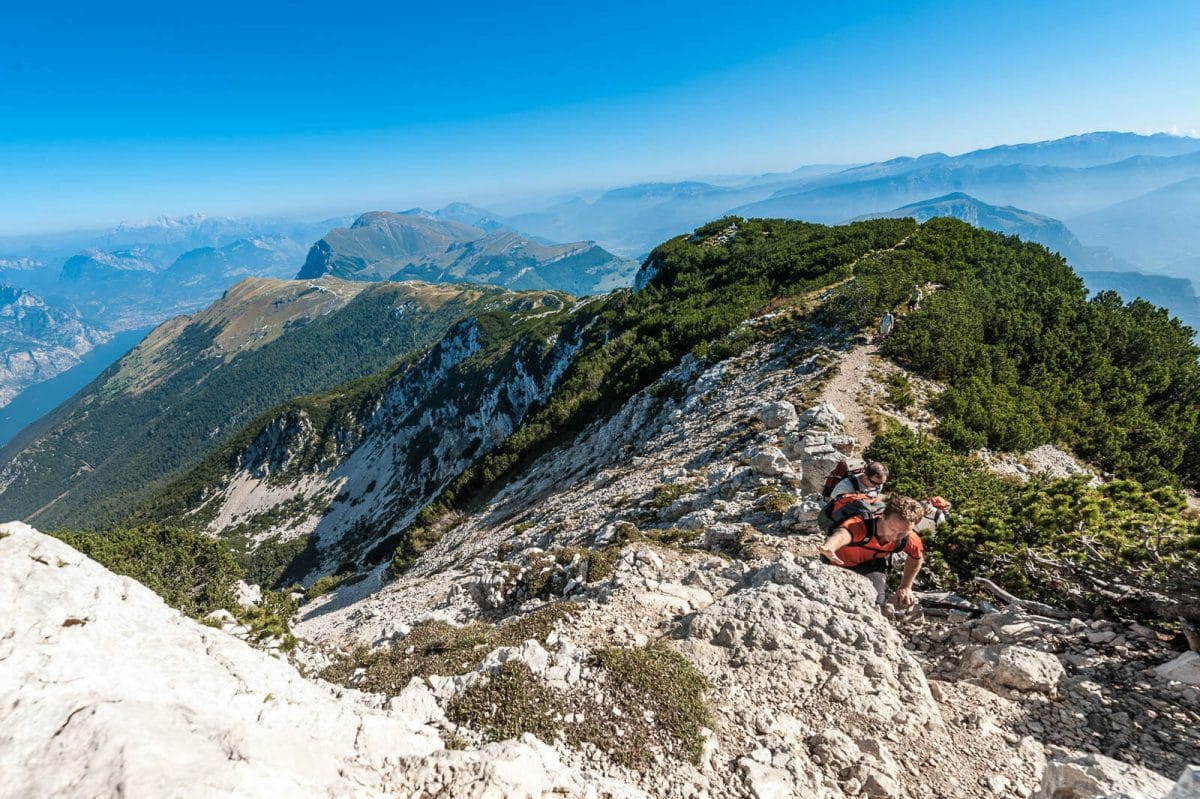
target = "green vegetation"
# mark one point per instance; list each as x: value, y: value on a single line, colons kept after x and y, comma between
x: 132, y: 444
x: 270, y: 618
x: 899, y: 391
x: 510, y: 703
x: 658, y: 680
x: 1028, y: 359
x: 191, y: 572
x: 435, y: 647
x: 656, y: 704
x: 1013, y: 532
x: 776, y: 502
x: 266, y: 563
x: 663, y: 495
x: 323, y: 586
x: 698, y: 297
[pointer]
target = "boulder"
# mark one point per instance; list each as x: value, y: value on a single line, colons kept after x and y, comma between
x: 246, y: 594
x: 781, y: 414
x: 1076, y: 775
x: 771, y: 462
x: 1012, y: 666
x: 1184, y: 669
x: 822, y: 415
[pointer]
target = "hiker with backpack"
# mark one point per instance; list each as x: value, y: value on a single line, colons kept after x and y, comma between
x: 843, y: 479
x: 865, y: 535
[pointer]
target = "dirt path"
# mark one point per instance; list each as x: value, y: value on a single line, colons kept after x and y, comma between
x: 842, y: 392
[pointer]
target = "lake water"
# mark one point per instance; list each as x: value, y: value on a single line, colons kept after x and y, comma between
x: 38, y: 400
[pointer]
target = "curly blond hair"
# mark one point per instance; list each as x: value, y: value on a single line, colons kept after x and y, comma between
x: 906, y: 507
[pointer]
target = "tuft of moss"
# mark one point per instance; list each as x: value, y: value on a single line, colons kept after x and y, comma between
x: 657, y: 680
x: 509, y: 704
x: 666, y: 493
x: 435, y: 647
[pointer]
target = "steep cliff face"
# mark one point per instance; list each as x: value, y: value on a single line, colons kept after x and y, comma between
x: 362, y: 471
x: 195, y: 382
x: 38, y: 341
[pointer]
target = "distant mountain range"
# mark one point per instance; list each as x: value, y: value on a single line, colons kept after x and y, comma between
x: 1077, y: 179
x: 436, y: 247
x: 38, y: 341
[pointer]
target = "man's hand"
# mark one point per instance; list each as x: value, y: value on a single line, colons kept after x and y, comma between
x: 831, y: 554
x: 905, y: 598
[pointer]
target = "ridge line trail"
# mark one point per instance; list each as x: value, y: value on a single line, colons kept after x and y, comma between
x: 843, y: 389
x: 853, y: 372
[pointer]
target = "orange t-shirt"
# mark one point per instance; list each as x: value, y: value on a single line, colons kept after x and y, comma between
x: 856, y: 553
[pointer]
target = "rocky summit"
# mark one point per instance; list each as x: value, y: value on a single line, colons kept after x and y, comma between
x: 562, y: 652
x: 633, y: 607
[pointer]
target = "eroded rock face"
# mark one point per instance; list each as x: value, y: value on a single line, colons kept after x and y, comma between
x: 1012, y: 666
x: 104, y: 691
x: 1072, y: 775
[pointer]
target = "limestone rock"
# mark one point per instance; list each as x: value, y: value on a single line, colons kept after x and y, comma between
x: 247, y: 595
x: 822, y: 415
x: 1074, y: 775
x: 771, y: 462
x: 781, y: 414
x: 104, y: 691
x: 1185, y: 669
x: 1012, y: 666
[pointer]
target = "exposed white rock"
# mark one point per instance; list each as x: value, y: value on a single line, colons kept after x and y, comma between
x: 104, y: 691
x: 822, y: 415
x: 1184, y: 669
x: 1013, y: 666
x: 1074, y: 775
x: 779, y: 414
x: 247, y: 595
x: 771, y: 462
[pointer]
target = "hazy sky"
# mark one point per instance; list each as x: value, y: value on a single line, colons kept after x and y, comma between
x: 112, y: 111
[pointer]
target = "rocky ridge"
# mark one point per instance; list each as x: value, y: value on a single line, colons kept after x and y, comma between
x: 805, y: 700
x: 680, y: 525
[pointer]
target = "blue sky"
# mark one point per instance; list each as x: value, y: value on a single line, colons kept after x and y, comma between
x: 129, y: 110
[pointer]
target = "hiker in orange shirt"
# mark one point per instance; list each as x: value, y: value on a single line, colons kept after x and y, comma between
x: 865, y: 544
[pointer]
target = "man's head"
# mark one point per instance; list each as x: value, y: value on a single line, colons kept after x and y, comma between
x: 898, y: 519
x: 874, y: 475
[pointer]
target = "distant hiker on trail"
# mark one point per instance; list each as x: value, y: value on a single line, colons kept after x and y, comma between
x: 865, y: 544
x: 914, y: 299
x: 886, y: 325
x: 869, y: 481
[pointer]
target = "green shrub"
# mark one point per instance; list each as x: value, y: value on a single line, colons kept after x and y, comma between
x: 998, y: 528
x: 435, y: 647
x: 191, y: 572
x: 666, y: 493
x: 899, y: 391
x: 322, y: 586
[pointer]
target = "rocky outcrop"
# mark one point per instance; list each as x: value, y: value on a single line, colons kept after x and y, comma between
x: 1072, y: 775
x: 105, y: 691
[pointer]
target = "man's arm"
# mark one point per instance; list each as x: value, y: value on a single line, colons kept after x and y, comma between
x: 904, y: 596
x: 837, y: 539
